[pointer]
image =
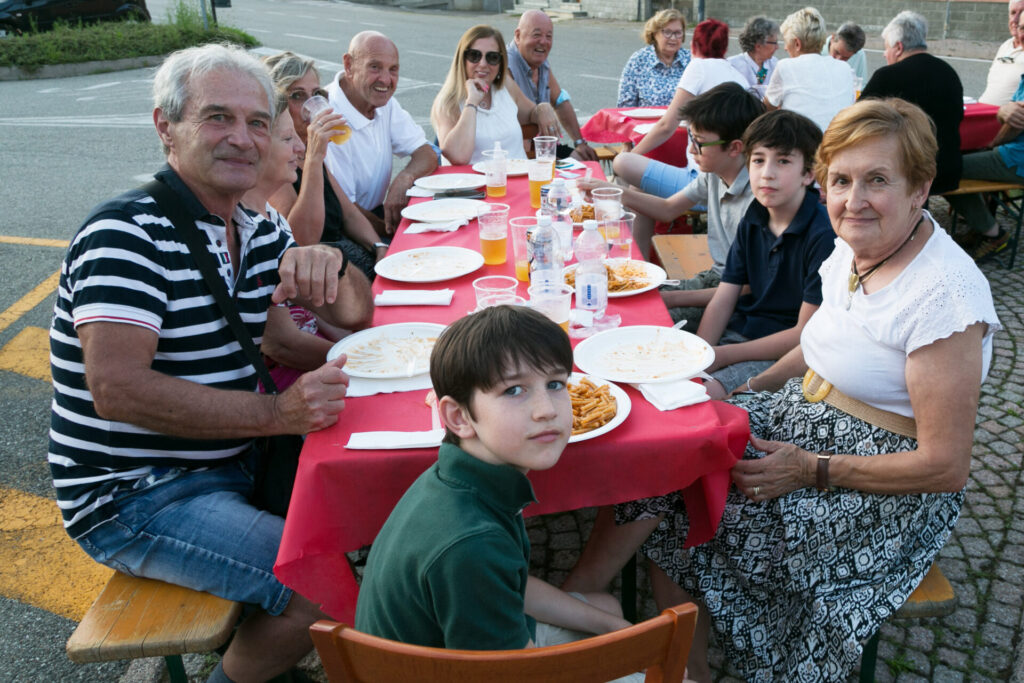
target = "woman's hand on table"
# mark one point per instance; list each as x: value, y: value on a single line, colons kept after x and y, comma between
x: 318, y: 134
x: 785, y: 468
x: 476, y: 88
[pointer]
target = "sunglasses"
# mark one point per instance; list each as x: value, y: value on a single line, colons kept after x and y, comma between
x: 474, y: 56
x: 699, y: 146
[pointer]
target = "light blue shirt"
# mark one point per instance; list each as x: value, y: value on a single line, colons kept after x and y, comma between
x: 858, y: 62
x: 1013, y: 151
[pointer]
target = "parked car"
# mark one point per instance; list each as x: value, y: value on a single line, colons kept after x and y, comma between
x: 18, y: 16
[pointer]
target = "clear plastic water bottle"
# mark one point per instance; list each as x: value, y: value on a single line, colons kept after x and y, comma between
x: 559, y: 203
x: 591, y: 276
x: 545, y: 253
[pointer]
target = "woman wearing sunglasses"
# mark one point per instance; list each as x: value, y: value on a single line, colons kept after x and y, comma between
x: 479, y: 104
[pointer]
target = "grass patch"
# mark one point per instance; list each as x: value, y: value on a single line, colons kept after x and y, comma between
x: 899, y: 664
x: 67, y: 44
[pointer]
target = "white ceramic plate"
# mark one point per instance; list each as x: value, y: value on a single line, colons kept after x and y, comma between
x: 641, y: 354
x: 443, y: 210
x: 429, y: 264
x: 645, y: 113
x: 622, y: 407
x: 388, y: 351
x: 513, y: 167
x: 645, y: 128
x: 654, y: 275
x: 451, y: 181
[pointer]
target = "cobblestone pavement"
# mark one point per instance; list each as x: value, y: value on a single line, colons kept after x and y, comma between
x: 984, y: 558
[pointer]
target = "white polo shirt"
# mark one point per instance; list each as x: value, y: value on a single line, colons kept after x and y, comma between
x: 362, y: 166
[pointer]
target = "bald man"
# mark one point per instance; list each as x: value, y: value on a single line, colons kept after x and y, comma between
x: 528, y: 63
x: 1008, y: 65
x: 381, y: 129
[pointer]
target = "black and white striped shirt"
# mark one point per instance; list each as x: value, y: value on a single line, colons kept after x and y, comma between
x: 128, y: 265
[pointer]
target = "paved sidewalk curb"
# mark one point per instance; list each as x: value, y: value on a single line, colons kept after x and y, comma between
x: 15, y: 73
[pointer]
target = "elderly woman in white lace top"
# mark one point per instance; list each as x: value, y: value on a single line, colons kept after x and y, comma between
x: 855, y: 475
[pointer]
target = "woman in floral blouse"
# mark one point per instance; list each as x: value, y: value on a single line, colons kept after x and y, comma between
x: 650, y: 76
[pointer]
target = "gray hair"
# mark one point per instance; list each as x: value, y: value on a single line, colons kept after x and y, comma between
x: 908, y: 28
x: 756, y: 31
x: 852, y: 36
x: 172, y: 79
x: 287, y: 67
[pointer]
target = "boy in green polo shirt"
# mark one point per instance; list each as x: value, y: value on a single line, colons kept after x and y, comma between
x: 450, y: 566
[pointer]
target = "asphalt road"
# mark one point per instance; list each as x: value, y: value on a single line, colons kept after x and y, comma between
x: 67, y: 144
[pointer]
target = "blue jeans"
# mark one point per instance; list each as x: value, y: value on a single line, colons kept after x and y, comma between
x: 197, y: 530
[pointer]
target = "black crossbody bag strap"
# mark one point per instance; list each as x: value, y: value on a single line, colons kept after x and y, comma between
x: 170, y: 203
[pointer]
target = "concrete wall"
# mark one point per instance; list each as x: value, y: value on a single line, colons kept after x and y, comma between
x: 959, y: 19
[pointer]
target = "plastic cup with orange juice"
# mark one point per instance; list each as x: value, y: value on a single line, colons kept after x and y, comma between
x: 554, y: 301
x: 318, y: 103
x: 540, y: 173
x: 520, y: 228
x: 493, y: 222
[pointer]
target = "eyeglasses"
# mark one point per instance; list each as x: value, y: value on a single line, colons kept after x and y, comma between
x: 771, y: 42
x: 699, y: 146
x: 672, y: 35
x: 474, y: 56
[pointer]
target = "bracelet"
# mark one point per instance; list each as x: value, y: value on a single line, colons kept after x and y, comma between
x: 821, y: 476
x: 577, y: 142
x: 378, y: 245
x: 472, y: 106
x: 750, y: 388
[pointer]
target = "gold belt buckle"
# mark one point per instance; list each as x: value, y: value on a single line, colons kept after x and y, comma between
x: 820, y: 392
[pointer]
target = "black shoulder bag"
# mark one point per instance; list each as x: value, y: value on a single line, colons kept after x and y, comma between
x: 277, y: 456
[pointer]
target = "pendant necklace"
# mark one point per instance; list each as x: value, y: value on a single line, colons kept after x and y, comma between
x: 857, y: 280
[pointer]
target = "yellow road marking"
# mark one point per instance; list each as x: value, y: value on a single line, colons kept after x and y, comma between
x: 28, y: 354
x: 39, y: 563
x: 29, y: 301
x: 33, y: 241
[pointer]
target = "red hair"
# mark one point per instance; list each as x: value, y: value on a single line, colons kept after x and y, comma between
x: 711, y: 38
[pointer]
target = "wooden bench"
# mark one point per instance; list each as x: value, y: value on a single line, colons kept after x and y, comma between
x: 606, y: 154
x: 682, y: 256
x: 134, y: 618
x: 1012, y: 205
x: 933, y: 597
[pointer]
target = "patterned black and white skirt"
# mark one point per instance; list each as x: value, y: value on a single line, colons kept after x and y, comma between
x: 797, y: 584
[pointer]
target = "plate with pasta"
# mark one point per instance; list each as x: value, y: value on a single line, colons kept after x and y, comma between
x: 389, y: 351
x: 598, y: 406
x: 641, y: 354
x: 626, y: 277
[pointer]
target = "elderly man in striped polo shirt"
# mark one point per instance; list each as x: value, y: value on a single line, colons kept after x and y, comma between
x: 155, y: 405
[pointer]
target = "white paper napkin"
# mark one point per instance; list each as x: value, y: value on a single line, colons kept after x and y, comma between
x: 364, y: 386
x: 415, y: 297
x: 379, y: 440
x: 418, y: 192
x: 450, y: 226
x: 569, y: 164
x: 672, y: 395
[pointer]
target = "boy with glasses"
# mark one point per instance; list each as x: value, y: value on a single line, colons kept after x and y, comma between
x: 717, y: 119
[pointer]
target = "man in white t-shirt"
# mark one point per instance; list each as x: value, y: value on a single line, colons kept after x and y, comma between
x: 1008, y: 65
x: 362, y: 93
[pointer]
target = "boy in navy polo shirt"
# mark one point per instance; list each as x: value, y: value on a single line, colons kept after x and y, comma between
x: 780, y: 243
x: 449, y: 567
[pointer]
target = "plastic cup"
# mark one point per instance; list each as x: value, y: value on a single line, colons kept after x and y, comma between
x: 544, y: 147
x: 540, y: 172
x: 620, y: 237
x: 318, y: 103
x: 493, y: 222
x: 554, y: 301
x: 495, y: 290
x: 858, y: 85
x: 519, y: 229
x: 495, y: 168
x: 607, y: 202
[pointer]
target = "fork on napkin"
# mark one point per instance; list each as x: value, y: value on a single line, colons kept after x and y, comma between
x: 450, y: 226
x: 415, y: 297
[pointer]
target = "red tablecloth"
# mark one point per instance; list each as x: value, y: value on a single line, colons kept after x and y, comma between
x: 615, y: 125
x: 979, y: 126
x: 342, y: 498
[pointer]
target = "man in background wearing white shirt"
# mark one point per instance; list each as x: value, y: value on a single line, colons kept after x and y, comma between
x: 362, y: 93
x: 1008, y: 65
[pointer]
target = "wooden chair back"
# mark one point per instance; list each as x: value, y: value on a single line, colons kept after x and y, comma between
x: 530, y: 131
x: 659, y: 645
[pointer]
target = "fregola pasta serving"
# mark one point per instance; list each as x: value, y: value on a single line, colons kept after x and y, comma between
x: 622, y: 277
x: 592, y: 406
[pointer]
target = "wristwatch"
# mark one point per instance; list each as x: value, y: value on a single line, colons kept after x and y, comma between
x: 378, y: 245
x: 577, y: 142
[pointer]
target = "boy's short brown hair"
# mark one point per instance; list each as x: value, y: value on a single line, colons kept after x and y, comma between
x: 477, y: 351
x: 786, y: 131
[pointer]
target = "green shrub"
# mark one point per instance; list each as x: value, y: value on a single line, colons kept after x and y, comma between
x: 67, y: 44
